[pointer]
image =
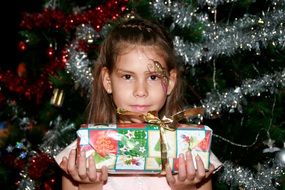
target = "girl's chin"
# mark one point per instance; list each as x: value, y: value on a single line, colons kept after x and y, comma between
x: 135, y: 120
x: 131, y: 120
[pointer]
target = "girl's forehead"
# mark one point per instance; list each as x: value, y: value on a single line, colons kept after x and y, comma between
x: 141, y: 53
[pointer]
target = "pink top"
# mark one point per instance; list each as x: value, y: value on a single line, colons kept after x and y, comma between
x: 145, y: 182
x: 136, y: 183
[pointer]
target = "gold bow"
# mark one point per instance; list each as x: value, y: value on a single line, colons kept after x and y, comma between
x: 164, y: 124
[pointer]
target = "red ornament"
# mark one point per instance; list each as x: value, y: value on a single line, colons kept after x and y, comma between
x: 22, y: 70
x: 49, y: 184
x: 22, y: 46
x: 50, y: 51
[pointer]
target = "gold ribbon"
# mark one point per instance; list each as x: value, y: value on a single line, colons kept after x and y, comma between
x: 165, y: 123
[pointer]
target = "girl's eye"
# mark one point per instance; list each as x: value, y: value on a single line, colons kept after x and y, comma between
x: 154, y: 77
x: 127, y: 77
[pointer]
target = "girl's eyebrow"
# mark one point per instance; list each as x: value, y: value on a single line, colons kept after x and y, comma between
x: 123, y: 71
x: 131, y: 72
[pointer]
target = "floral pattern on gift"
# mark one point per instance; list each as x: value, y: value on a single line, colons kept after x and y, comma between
x: 192, y: 140
x: 125, y: 162
x: 104, y: 142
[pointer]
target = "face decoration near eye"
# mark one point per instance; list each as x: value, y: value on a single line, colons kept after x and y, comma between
x: 157, y: 70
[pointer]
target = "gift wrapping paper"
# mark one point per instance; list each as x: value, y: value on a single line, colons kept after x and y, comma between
x: 135, y: 147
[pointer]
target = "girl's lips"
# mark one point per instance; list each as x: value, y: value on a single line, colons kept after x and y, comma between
x: 140, y: 108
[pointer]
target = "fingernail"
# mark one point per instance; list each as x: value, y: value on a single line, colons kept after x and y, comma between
x: 104, y: 168
x: 197, y: 157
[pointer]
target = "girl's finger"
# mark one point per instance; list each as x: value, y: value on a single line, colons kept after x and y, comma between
x: 82, y: 165
x: 71, y: 166
x: 181, y: 168
x: 200, y: 174
x: 210, y: 171
x: 104, y: 174
x: 169, y: 177
x: 190, y: 167
x: 63, y: 164
x: 92, y: 174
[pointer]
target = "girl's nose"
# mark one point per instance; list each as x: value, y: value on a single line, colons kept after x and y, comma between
x: 140, y: 89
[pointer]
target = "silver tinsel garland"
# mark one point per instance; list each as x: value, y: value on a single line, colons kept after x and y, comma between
x: 232, y: 99
x: 79, y: 65
x: 215, y: 3
x: 26, y: 183
x: 58, y: 137
x: 182, y: 14
x: 249, y: 33
x: 265, y: 178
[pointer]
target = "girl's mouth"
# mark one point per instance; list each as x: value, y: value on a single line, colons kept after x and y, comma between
x: 140, y: 108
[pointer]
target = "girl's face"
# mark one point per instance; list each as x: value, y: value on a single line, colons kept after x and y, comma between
x: 139, y: 81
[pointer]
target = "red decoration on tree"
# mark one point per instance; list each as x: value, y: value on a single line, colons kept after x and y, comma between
x: 82, y: 46
x: 53, y: 18
x: 49, y: 184
x: 50, y: 51
x: 22, y: 46
x: 37, y: 89
x: 38, y: 165
x: 22, y: 70
x: 19, y: 163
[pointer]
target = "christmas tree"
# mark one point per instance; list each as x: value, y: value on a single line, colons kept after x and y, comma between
x: 233, y: 60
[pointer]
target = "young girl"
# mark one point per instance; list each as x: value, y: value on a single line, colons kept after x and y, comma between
x: 136, y: 70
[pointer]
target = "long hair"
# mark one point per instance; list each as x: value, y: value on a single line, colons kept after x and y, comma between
x: 132, y: 32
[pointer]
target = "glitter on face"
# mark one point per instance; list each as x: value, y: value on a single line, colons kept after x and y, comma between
x: 156, y: 68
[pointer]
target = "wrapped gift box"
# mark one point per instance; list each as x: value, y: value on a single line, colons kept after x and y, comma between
x: 135, y: 147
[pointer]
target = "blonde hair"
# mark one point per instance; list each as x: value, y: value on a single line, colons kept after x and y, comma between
x: 135, y: 32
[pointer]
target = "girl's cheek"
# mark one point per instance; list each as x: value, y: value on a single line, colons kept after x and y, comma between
x: 164, y: 84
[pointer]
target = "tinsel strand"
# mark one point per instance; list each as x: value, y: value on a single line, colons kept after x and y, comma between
x: 232, y: 99
x: 263, y: 179
x: 182, y: 14
x: 215, y: 3
x: 241, y: 35
x: 58, y: 137
x: 78, y: 64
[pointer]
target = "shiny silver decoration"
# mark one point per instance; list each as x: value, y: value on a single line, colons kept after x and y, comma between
x: 264, y: 179
x: 58, y: 137
x: 78, y: 64
x: 233, y: 99
x: 248, y: 33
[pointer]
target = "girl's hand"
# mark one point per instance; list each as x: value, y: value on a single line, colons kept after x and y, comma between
x: 79, y: 172
x: 188, y: 177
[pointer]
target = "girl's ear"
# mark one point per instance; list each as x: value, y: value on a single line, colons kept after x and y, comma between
x: 172, y: 81
x: 106, y: 79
